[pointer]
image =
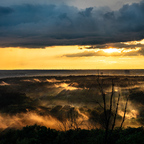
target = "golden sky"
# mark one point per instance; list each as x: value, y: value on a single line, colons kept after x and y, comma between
x: 105, y: 28
x: 71, y: 57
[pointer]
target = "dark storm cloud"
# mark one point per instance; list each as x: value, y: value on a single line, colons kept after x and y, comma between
x: 45, y: 25
x: 5, y: 10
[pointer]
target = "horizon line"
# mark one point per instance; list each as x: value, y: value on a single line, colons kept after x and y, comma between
x: 66, y: 69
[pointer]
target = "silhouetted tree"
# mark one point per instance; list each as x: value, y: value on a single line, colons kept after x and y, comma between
x: 110, y: 114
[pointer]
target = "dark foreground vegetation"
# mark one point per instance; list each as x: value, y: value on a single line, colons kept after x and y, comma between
x: 41, y: 135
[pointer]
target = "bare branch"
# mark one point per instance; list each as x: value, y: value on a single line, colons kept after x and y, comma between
x: 124, y: 113
x: 103, y: 96
x: 111, y: 100
x: 99, y: 104
x: 112, y: 93
x: 116, y: 113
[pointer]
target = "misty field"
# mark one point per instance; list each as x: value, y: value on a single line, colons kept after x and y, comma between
x: 69, y: 102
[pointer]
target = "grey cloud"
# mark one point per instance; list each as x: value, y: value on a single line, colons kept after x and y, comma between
x: 45, y: 25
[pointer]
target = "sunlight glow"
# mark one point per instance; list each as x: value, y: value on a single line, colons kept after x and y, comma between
x: 112, y: 50
x: 120, y: 51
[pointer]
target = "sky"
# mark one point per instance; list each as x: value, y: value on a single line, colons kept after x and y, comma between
x: 72, y: 34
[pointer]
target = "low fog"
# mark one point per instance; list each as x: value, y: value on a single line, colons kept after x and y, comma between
x: 69, y: 102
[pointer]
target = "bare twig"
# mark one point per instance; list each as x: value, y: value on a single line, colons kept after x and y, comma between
x: 124, y: 113
x: 115, y: 113
x: 111, y: 101
x: 104, y: 101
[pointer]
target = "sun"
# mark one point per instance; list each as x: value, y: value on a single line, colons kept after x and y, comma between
x: 111, y: 50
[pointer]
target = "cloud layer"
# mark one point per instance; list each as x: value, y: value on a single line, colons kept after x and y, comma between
x: 30, y: 25
x: 111, y: 49
x: 101, y: 52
